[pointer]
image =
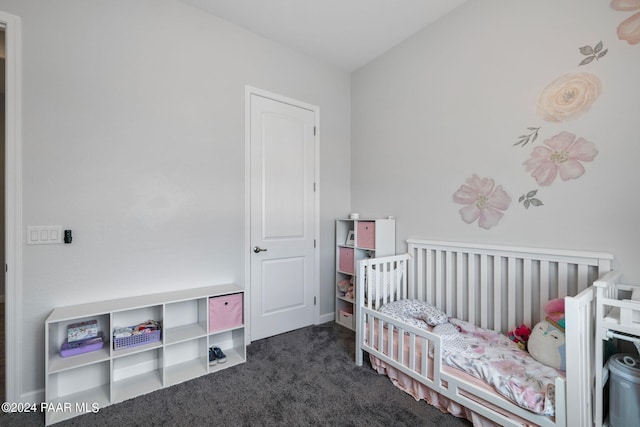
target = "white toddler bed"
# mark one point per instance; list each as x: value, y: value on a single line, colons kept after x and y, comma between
x: 495, y: 288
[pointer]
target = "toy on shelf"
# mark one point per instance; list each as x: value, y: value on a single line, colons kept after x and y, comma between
x: 82, y: 337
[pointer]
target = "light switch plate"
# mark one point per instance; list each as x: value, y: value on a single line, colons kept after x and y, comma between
x: 44, y: 234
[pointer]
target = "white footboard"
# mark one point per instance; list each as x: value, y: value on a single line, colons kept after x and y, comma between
x: 404, y: 347
x: 580, y: 374
x: 390, y: 283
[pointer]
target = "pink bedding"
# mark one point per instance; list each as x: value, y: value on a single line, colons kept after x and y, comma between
x: 488, y: 356
x: 495, y: 359
x: 421, y: 392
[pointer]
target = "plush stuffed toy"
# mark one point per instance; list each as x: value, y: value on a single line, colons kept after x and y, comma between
x: 520, y: 336
x: 555, y: 312
x: 547, y: 342
x: 343, y: 286
x: 350, y: 293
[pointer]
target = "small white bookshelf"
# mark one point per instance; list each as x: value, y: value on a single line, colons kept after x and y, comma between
x: 107, y: 376
x: 357, y: 239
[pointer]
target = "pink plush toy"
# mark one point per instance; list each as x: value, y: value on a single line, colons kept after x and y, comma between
x: 555, y: 312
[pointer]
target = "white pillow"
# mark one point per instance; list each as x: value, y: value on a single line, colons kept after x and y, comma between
x: 397, y: 313
x: 433, y: 316
x: 421, y: 312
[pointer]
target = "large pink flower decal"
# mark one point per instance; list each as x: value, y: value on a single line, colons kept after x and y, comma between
x: 562, y: 154
x: 484, y: 201
x: 629, y: 29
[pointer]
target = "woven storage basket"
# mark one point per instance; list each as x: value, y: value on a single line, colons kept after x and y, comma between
x: 136, y: 340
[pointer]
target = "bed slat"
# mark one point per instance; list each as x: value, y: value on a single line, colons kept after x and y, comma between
x: 497, y: 293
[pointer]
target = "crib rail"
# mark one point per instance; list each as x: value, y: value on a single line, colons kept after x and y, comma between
x: 413, y: 351
x: 498, y: 287
x: 385, y: 279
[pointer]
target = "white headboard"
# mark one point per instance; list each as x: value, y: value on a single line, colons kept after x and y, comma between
x: 498, y: 287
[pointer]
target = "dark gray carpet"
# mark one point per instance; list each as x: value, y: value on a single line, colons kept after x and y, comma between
x: 302, y: 378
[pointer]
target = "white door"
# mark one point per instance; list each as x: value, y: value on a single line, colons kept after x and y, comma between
x: 282, y: 216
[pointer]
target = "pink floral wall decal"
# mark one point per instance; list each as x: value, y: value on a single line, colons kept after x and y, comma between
x: 629, y: 29
x: 568, y: 96
x: 562, y: 154
x: 484, y: 201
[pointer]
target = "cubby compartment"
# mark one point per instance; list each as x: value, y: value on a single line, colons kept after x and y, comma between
x: 136, y: 374
x: 73, y: 392
x: 128, y: 318
x: 226, y: 312
x: 345, y: 260
x: 57, y: 335
x: 185, y: 360
x: 185, y: 320
x: 345, y: 317
x: 232, y: 343
x: 366, y: 234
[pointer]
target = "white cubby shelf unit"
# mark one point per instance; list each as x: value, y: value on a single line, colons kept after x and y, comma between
x: 369, y: 238
x: 109, y: 376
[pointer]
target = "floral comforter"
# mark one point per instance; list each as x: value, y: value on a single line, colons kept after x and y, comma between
x: 498, y: 361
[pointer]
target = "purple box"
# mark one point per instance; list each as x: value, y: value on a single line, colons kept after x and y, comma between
x: 71, y: 349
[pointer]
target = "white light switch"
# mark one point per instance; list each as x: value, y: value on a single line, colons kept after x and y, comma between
x: 44, y: 234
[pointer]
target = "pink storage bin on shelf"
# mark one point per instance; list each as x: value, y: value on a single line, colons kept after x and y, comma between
x: 366, y: 234
x: 345, y: 263
x: 225, y: 312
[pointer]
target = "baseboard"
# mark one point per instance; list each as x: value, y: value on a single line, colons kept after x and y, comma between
x: 36, y: 396
x: 325, y: 318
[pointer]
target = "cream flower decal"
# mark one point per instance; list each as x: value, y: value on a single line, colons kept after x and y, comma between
x: 562, y: 154
x: 625, y: 4
x: 629, y: 29
x: 568, y: 96
x: 484, y: 201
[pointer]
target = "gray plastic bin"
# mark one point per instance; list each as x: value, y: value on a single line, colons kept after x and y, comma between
x: 624, y: 390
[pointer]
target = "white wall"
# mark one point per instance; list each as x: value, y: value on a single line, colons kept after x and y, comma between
x: 133, y: 137
x: 452, y: 100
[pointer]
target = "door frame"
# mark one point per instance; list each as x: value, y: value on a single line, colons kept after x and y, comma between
x: 13, y: 206
x: 249, y: 90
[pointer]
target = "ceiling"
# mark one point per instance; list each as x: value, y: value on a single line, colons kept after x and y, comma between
x: 344, y: 33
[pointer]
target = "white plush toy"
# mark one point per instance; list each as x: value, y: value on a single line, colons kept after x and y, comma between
x: 547, y: 343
